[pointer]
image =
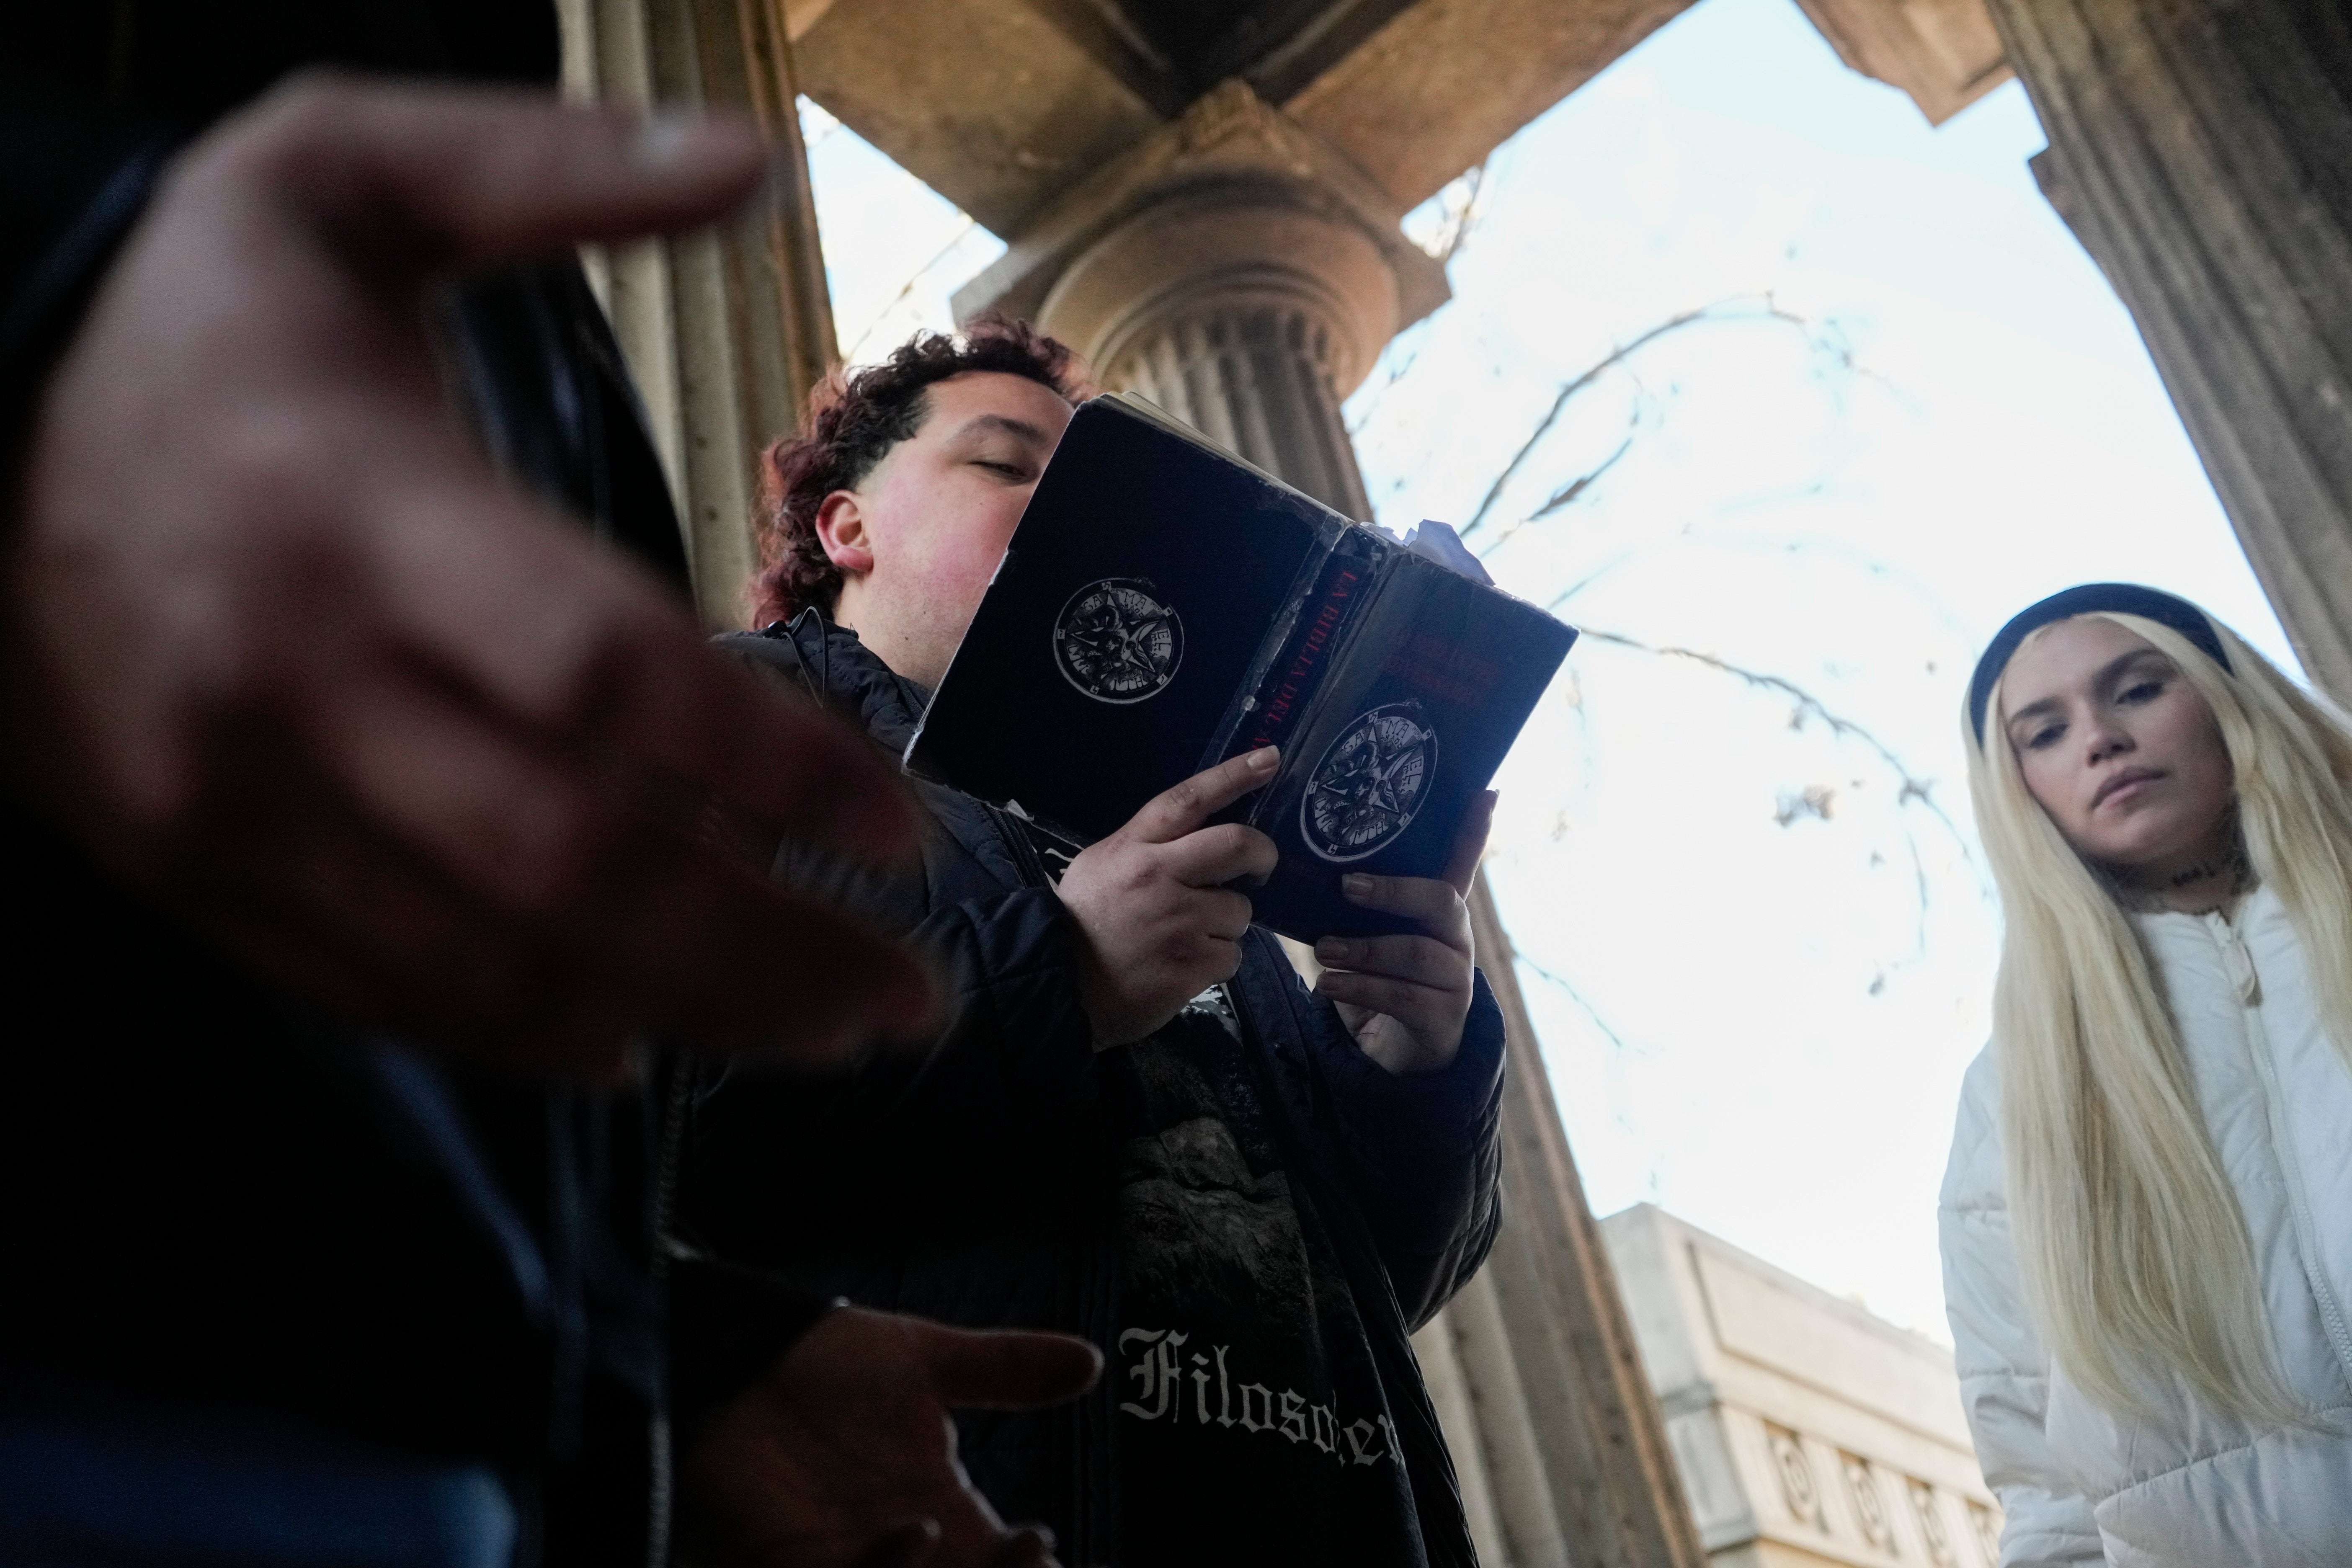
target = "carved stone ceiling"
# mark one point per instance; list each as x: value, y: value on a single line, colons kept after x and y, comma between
x: 1001, y: 105
x: 1174, y: 50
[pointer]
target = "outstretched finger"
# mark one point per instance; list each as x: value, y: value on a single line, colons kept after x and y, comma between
x: 1418, y: 1007
x: 1423, y: 960
x: 422, y: 180
x: 1470, y: 841
x: 1186, y: 806
x: 1436, y: 906
x: 1212, y: 856
x: 1009, y: 1369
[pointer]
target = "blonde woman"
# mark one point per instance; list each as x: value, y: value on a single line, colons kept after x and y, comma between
x: 2146, y: 1224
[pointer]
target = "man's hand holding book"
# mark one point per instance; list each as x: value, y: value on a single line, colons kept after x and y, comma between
x: 1163, y: 922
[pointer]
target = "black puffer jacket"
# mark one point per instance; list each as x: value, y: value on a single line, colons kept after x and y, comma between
x: 971, y: 1187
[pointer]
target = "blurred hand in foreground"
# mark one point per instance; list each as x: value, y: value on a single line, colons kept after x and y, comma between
x: 844, y: 1455
x: 281, y: 650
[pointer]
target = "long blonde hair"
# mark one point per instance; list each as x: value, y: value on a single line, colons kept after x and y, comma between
x: 2132, y: 1246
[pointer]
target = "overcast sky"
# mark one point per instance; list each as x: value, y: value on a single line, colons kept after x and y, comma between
x: 1758, y: 969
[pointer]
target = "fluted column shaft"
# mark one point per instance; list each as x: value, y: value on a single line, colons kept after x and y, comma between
x: 727, y: 331
x: 2202, y: 150
x: 1256, y: 378
x: 1611, y: 1484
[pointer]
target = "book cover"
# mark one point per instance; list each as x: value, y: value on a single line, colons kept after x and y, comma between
x: 1163, y: 605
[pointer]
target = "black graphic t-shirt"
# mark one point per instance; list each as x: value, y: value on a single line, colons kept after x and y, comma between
x: 1251, y: 1425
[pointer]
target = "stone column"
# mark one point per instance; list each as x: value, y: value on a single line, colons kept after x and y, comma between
x: 2202, y: 152
x: 1242, y: 276
x: 728, y: 330
x: 1215, y: 309
x: 1612, y: 1489
x: 1258, y: 376
x: 1234, y: 272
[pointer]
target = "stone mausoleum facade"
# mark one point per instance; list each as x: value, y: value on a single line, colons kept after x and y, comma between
x: 1204, y: 196
x: 1806, y: 1431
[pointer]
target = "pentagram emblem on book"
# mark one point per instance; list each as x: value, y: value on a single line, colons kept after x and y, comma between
x: 1362, y: 795
x: 1116, y: 642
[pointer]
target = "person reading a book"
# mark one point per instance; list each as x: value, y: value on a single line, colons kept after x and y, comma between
x: 1139, y: 1124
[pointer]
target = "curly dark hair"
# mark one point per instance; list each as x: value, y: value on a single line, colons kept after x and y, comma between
x: 854, y: 417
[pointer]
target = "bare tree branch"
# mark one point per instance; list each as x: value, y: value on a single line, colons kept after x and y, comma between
x: 1566, y: 495
x: 1834, y: 361
x: 1912, y: 787
x: 1738, y: 307
x: 1576, y: 997
x: 1449, y: 240
x: 875, y: 325
x: 1590, y: 578
x: 1399, y: 369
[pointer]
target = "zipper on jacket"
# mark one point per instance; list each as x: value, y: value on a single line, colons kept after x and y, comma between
x: 2237, y: 962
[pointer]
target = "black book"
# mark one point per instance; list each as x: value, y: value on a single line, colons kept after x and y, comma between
x: 1164, y: 605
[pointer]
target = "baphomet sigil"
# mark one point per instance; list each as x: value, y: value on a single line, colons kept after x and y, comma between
x: 1362, y: 795
x: 1115, y: 641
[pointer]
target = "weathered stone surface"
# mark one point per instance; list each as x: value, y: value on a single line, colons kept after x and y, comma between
x: 1946, y: 54
x: 2202, y: 150
x: 1609, y: 1477
x: 1003, y: 107
x: 993, y: 106
x: 726, y: 331
x: 1806, y: 1429
x: 1447, y: 82
x: 1231, y: 204
x: 1236, y: 272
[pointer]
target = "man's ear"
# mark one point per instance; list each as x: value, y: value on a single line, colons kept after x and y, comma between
x: 841, y: 529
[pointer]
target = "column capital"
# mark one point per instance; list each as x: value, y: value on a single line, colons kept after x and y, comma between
x: 1232, y: 204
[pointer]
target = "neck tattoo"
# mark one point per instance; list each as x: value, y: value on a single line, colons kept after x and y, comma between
x: 2207, y: 868
x: 2149, y: 893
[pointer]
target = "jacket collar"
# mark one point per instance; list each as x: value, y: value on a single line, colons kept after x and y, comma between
x: 852, y: 677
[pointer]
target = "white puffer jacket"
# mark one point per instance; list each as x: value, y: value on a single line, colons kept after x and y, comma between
x: 2196, y: 1488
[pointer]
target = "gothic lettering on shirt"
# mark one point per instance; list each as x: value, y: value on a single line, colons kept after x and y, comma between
x: 1163, y: 1364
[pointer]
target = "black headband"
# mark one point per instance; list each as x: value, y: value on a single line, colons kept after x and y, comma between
x: 2122, y: 598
